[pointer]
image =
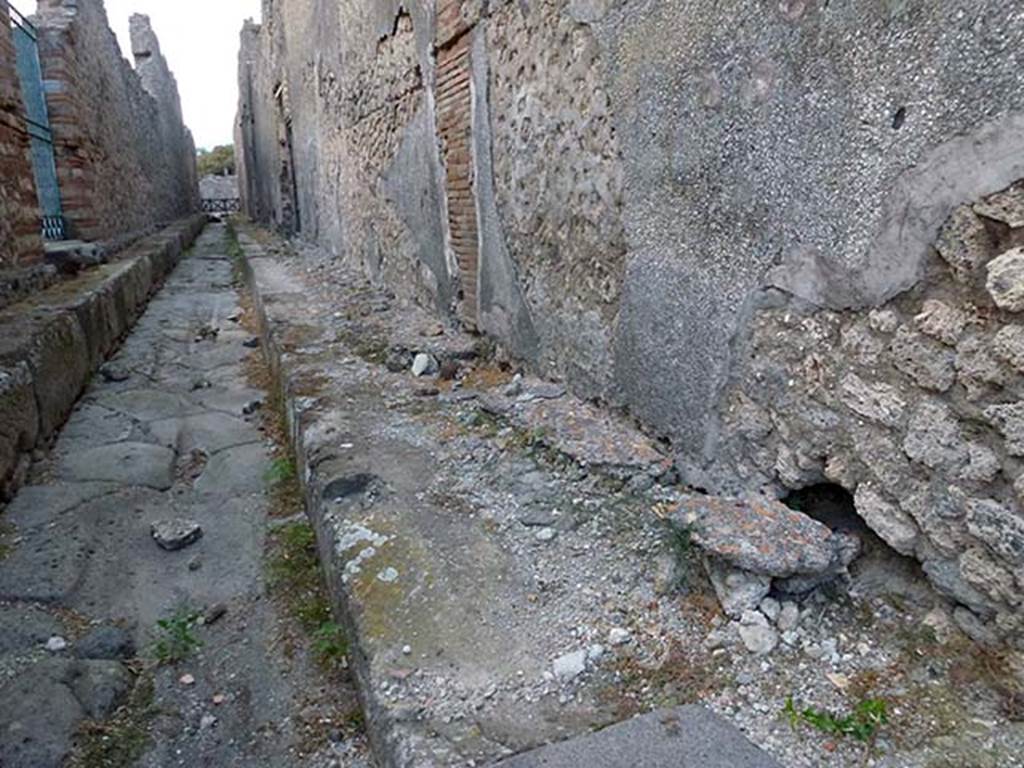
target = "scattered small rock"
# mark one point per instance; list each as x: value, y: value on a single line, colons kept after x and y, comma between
x: 449, y: 370
x: 407, y: 650
x: 207, y: 721
x: 423, y: 365
x: 619, y: 636
x: 214, y: 613
x: 207, y: 333
x: 218, y: 699
x: 173, y: 535
x: 114, y: 373
x: 252, y: 343
x: 251, y: 408
x: 187, y: 679
x: 759, y: 639
x: 789, y: 617
x: 546, y: 390
x: 570, y: 666
x: 195, y: 563
x: 514, y: 387
x: 737, y: 590
x: 771, y: 609
x: 546, y: 534
x: 56, y: 644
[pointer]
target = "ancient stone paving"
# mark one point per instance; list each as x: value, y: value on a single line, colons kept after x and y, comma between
x: 166, y: 444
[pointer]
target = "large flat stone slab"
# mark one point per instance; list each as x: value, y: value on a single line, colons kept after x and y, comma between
x: 125, y: 463
x: 236, y: 470
x: 211, y: 432
x: 763, y: 536
x: 685, y: 737
x: 146, y: 405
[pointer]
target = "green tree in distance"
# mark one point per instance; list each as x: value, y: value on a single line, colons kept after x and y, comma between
x: 219, y: 161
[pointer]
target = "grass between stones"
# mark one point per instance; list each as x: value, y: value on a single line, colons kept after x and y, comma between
x: 293, y: 564
x: 7, y: 532
x: 120, y: 741
x: 294, y: 576
x: 176, y: 639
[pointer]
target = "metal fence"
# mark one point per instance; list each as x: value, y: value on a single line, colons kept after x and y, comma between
x: 44, y: 166
x: 221, y: 205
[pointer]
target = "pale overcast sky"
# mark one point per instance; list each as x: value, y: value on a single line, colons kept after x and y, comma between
x: 200, y: 40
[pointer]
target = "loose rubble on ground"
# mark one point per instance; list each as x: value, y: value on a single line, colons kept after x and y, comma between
x: 822, y: 644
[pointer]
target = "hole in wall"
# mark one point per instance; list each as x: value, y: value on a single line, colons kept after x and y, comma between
x: 899, y: 117
x: 879, y: 571
x: 342, y: 488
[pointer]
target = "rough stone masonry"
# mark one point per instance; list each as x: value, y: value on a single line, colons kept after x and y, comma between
x: 783, y: 235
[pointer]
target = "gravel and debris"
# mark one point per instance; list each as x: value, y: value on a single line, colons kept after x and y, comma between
x: 625, y: 620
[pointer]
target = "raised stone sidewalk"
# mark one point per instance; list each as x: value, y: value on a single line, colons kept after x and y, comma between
x: 477, y: 604
x: 52, y: 342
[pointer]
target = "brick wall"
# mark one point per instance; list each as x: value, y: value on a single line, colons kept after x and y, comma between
x: 454, y: 101
x: 125, y: 162
x: 20, y: 243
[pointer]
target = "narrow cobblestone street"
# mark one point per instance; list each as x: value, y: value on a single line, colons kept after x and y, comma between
x: 170, y: 432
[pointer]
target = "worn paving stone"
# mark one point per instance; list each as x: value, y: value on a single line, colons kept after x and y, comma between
x: 26, y: 627
x: 38, y: 504
x: 147, y: 405
x: 235, y: 470
x: 211, y: 432
x: 82, y: 545
x: 685, y: 737
x: 45, y: 568
x: 97, y: 425
x: 39, y: 713
x: 125, y: 463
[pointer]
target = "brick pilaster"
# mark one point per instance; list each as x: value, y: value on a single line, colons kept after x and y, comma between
x: 454, y: 100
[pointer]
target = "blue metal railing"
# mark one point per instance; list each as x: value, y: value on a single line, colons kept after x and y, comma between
x: 37, y: 121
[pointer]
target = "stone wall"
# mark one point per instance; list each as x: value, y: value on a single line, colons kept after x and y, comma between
x: 20, y: 243
x: 336, y: 136
x: 914, y: 406
x: 723, y: 217
x: 215, y: 187
x: 125, y: 161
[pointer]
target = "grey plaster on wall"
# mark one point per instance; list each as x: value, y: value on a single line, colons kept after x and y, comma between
x: 815, y: 151
x: 411, y: 185
x: 502, y: 311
